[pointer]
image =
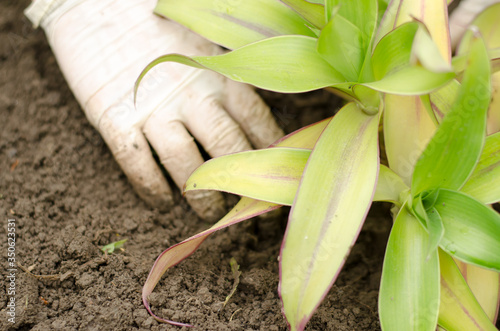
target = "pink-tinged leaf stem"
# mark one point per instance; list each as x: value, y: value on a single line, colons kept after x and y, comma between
x: 459, y: 309
x: 245, y: 209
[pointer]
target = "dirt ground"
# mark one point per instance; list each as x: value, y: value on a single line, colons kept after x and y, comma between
x: 68, y: 197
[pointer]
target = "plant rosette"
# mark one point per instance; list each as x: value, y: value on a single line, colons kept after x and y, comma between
x: 392, y: 62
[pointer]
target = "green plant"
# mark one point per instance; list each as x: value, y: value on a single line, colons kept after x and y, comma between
x: 110, y: 248
x: 392, y: 62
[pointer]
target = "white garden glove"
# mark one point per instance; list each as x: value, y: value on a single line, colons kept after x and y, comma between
x: 463, y: 15
x: 103, y: 45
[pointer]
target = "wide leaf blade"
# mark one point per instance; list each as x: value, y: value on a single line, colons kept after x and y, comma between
x: 484, y: 183
x: 393, y: 63
x: 305, y: 137
x: 435, y: 229
x: 442, y: 100
x: 341, y: 44
x: 235, y: 24
x: 394, y: 50
x: 459, y: 309
x: 312, y: 12
x: 459, y: 62
x: 389, y: 186
x: 270, y: 174
x: 215, y: 174
x: 408, y: 128
x: 485, y: 285
x: 329, y: 209
x: 493, y: 124
x: 348, y: 43
x: 426, y: 52
x: 409, y: 288
x: 287, y: 64
x: 489, y: 25
x: 433, y: 13
x: 412, y: 80
x: 453, y: 151
x: 471, y: 229
x: 362, y: 14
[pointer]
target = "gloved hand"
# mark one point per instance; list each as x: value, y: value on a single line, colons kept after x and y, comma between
x: 103, y: 45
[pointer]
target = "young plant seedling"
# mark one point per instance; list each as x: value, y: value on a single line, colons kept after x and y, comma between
x: 110, y: 248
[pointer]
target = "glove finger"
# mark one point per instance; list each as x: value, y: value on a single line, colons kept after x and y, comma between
x: 133, y: 154
x: 180, y: 156
x: 253, y: 115
x: 214, y: 128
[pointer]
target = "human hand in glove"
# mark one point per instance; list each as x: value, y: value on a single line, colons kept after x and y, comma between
x: 103, y: 45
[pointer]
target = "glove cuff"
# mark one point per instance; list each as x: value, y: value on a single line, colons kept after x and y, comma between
x: 43, y: 12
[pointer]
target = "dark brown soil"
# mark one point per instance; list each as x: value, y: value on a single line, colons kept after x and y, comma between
x: 68, y: 198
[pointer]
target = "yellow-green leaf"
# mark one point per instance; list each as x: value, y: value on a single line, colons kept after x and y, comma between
x: 471, y: 229
x: 412, y: 80
x: 361, y: 13
x: 312, y: 12
x: 433, y: 13
x: 443, y: 99
x: 408, y: 128
x: 389, y: 186
x: 393, y: 50
x: 459, y: 62
x: 427, y: 52
x: 233, y: 24
x: 260, y: 174
x: 409, y: 288
x: 451, y: 155
x: 341, y: 44
x: 335, y: 193
x: 270, y: 174
x: 305, y: 137
x: 484, y: 183
x: 245, y: 209
x: 485, y: 285
x: 459, y: 309
x: 283, y: 64
x: 489, y: 25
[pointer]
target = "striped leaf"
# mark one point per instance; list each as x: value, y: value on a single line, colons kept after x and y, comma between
x: 471, y: 229
x: 335, y: 193
x: 409, y: 288
x: 234, y: 24
x: 484, y: 183
x: 283, y: 64
x: 451, y: 155
x: 459, y: 309
x: 270, y: 174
